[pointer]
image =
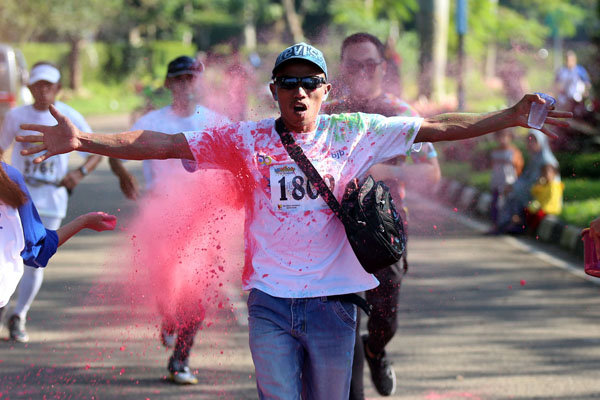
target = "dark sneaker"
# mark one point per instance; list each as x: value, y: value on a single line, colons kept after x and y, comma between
x: 181, y: 373
x: 382, y: 372
x: 16, y: 329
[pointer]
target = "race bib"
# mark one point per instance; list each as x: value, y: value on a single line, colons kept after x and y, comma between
x: 43, y: 173
x: 291, y: 191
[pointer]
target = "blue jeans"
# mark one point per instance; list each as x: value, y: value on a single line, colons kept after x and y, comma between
x: 301, y: 348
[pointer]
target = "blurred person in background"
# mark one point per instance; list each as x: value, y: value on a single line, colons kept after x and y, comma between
x: 511, y: 217
x: 49, y: 182
x: 364, y: 69
x: 572, y: 84
x: 181, y: 321
x: 546, y: 197
x: 507, y: 165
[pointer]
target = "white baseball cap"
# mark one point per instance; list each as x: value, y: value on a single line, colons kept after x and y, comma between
x: 44, y: 72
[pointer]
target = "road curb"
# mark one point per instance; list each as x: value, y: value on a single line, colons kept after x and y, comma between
x: 471, y: 201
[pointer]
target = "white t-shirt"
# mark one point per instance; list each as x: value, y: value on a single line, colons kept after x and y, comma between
x: 41, y: 179
x: 295, y: 246
x: 11, y: 244
x: 166, y: 121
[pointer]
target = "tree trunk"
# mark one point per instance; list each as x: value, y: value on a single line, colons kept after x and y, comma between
x: 433, y: 23
x: 249, y: 26
x: 491, y: 56
x: 425, y: 28
x: 293, y: 20
x: 75, y: 70
x: 440, y: 47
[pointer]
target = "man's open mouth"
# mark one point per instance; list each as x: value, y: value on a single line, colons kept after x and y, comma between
x: 300, y: 107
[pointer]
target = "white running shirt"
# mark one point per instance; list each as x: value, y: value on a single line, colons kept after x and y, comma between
x: 12, y: 243
x: 166, y: 121
x: 295, y: 246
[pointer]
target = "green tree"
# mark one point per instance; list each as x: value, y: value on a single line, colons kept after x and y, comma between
x: 70, y: 20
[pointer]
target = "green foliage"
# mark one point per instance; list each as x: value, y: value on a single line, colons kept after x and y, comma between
x: 113, y: 63
x: 99, y: 98
x: 579, y: 165
x: 562, y: 16
x: 65, y: 19
x: 581, y: 189
x: 56, y: 53
x: 354, y: 15
x: 490, y: 23
x: 581, y: 213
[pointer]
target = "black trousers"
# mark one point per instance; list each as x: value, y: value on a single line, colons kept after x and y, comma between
x: 382, y: 324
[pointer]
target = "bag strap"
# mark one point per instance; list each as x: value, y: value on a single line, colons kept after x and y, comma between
x: 296, y: 153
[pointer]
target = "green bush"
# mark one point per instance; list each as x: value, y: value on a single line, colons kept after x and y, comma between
x: 114, y: 62
x: 581, y: 189
x: 100, y: 98
x: 581, y: 213
x: 577, y: 165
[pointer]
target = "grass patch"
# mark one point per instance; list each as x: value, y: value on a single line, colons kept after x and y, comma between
x: 581, y: 213
x: 97, y: 99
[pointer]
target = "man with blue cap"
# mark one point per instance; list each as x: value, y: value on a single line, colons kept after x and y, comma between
x: 298, y: 259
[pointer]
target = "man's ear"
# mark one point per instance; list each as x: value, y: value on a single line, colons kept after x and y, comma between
x: 327, y: 90
x: 273, y: 90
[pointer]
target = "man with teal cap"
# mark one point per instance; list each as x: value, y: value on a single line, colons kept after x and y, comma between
x: 298, y: 259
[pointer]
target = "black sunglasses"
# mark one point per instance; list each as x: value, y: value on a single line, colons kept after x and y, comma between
x: 307, y: 82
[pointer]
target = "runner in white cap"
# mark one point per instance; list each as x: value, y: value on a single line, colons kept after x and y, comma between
x: 49, y: 182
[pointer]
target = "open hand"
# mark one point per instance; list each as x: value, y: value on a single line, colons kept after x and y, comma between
x: 556, y: 118
x: 100, y: 221
x: 57, y: 139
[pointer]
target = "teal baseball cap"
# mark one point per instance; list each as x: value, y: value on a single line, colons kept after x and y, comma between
x: 301, y: 51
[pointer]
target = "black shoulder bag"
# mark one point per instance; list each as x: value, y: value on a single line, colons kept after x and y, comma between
x: 373, y: 226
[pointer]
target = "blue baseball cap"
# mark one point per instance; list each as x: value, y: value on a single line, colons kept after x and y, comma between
x: 302, y: 51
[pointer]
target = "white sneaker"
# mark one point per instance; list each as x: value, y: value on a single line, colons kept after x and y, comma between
x: 181, y: 374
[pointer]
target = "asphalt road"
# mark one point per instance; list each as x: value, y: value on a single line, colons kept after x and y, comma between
x: 481, y: 318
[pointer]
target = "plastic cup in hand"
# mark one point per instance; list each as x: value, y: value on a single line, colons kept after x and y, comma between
x: 539, y: 112
x: 591, y: 260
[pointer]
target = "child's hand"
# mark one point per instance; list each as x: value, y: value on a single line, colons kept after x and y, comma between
x: 100, y: 221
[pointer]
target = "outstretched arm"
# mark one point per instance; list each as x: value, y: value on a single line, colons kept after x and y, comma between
x: 97, y: 221
x: 135, y: 145
x: 457, y: 126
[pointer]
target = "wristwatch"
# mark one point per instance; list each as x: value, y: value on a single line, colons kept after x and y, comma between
x: 83, y: 170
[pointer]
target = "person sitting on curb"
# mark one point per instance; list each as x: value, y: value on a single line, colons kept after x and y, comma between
x: 511, y: 217
x: 507, y: 165
x: 547, y: 198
